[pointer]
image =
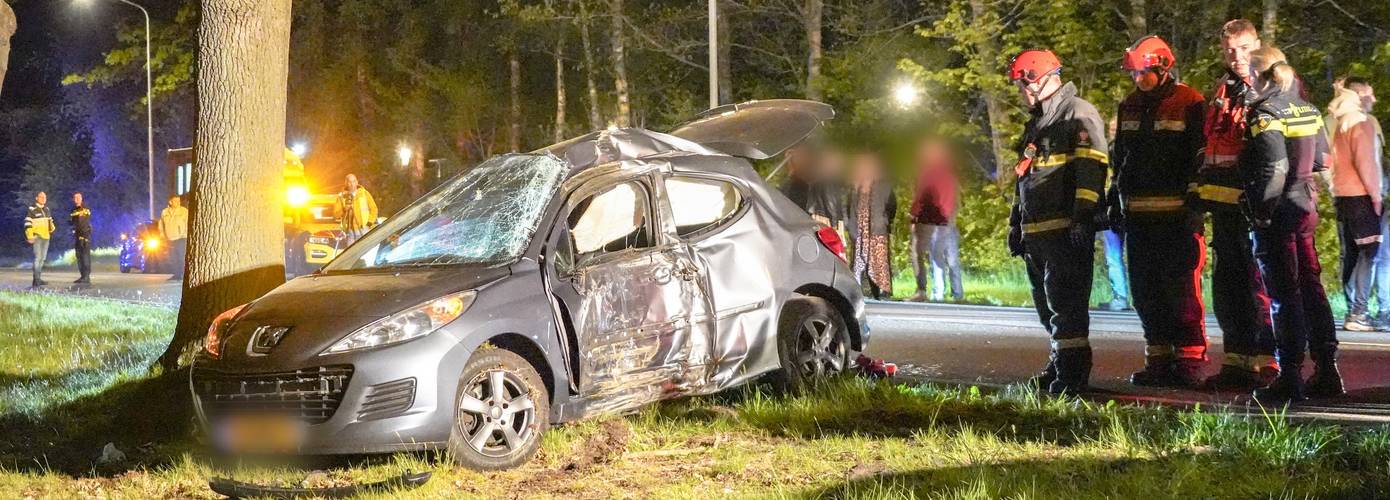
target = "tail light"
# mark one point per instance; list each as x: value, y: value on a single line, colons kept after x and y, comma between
x: 831, y: 239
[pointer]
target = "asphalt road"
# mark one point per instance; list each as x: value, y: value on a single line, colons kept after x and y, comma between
x: 984, y: 345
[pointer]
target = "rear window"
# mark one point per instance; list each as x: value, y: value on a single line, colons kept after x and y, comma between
x: 699, y: 203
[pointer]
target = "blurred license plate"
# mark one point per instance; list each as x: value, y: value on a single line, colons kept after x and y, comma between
x: 259, y: 433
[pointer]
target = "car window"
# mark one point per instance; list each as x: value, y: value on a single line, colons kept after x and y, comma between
x: 615, y: 219
x: 699, y: 203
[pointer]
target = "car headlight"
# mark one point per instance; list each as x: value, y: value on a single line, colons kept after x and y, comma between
x: 406, y: 325
x: 217, y: 330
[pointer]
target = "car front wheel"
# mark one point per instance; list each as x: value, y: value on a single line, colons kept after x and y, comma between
x: 812, y: 342
x: 500, y: 412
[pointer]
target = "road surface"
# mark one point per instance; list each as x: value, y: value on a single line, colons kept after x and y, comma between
x: 982, y: 345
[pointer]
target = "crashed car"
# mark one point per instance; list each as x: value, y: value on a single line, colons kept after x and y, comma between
x: 591, y: 277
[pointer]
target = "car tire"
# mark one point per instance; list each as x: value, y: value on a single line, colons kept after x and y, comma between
x: 498, y: 429
x: 125, y: 269
x: 812, y: 343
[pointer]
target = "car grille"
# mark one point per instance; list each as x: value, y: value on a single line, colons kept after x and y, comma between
x: 387, y: 400
x: 310, y: 394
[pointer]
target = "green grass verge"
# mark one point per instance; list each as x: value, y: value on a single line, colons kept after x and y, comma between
x: 850, y: 438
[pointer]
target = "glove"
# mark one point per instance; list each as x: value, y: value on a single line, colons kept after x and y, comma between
x: 1247, y: 209
x: 1016, y: 241
x: 1082, y: 235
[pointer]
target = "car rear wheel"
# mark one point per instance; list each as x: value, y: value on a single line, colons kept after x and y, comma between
x: 500, y: 412
x: 812, y: 342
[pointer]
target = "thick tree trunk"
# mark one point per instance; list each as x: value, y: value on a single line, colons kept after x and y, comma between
x: 560, y: 99
x: 514, y: 132
x: 620, y: 83
x: 988, y: 50
x: 1271, y: 22
x: 1138, y: 19
x: 8, y: 25
x: 236, y: 237
x: 814, y: 17
x: 726, y: 40
x: 595, y: 116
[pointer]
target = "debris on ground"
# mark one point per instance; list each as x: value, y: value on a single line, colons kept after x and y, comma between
x: 875, y: 368
x: 110, y: 454
x: 603, y: 447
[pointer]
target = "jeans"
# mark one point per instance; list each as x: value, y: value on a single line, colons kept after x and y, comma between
x: 1357, y: 272
x: 40, y: 256
x: 178, y: 251
x: 941, y: 245
x: 1115, y: 272
x: 1382, y: 268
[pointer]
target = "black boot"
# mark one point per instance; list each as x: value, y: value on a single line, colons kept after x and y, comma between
x: 1188, y: 374
x: 1326, y: 381
x: 1044, y: 379
x: 1232, y: 378
x: 1288, y: 388
x: 1073, y: 371
x: 1157, y: 372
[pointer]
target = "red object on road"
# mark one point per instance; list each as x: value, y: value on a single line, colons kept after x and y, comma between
x: 875, y: 367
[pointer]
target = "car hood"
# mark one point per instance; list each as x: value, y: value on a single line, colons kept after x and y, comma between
x: 321, y: 309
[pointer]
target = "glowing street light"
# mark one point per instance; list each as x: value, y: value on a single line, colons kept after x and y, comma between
x: 299, y: 149
x: 405, y: 154
x: 906, y: 93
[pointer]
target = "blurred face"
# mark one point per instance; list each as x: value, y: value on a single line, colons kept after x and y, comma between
x: 175, y: 202
x: 1147, y: 79
x: 1367, y: 94
x: 1236, y: 51
x: 866, y: 168
x: 351, y: 182
x: 41, y: 198
x: 77, y: 199
x: 1039, y: 91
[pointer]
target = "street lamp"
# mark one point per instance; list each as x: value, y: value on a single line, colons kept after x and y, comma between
x: 404, y: 153
x: 149, y: 105
x: 300, y: 149
x: 905, y: 94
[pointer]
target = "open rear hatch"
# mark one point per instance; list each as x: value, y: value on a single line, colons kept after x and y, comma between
x: 756, y: 130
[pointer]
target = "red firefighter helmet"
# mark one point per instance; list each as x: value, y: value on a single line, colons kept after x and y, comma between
x: 1033, y: 64
x: 1150, y: 51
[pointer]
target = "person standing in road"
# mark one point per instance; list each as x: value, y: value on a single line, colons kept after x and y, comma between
x: 1061, y: 173
x: 935, y: 237
x: 1238, y: 290
x: 81, y: 220
x: 356, y: 209
x: 173, y: 225
x: 874, y: 205
x: 1381, y: 264
x: 1158, y: 150
x: 1287, y: 147
x: 1356, y: 191
x: 38, y: 229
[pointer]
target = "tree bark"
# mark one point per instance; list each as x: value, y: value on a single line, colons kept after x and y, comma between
x: 8, y: 25
x: 514, y: 134
x: 726, y: 72
x: 236, y: 237
x: 595, y: 116
x: 560, y: 99
x: 988, y: 51
x: 814, y: 17
x: 1138, y: 19
x: 1271, y: 22
x: 620, y: 83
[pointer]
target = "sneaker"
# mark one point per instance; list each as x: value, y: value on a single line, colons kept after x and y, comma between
x: 1382, y: 322
x: 1358, y: 323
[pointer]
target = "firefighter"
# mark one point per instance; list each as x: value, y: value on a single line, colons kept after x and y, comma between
x: 1158, y: 150
x: 81, y: 220
x: 1061, y: 174
x: 1286, y: 147
x: 1238, y: 291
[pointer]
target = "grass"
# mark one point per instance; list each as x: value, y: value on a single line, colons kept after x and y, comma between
x: 850, y: 438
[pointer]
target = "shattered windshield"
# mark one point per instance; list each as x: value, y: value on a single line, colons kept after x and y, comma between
x: 486, y: 215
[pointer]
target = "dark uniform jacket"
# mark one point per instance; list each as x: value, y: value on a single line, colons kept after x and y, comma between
x: 1158, y: 151
x: 1286, y: 147
x: 81, y: 220
x: 1062, y: 171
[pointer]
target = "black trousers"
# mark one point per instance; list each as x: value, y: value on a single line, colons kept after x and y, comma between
x: 83, y: 249
x: 1238, y: 294
x: 1165, y: 276
x: 1302, y: 316
x: 1060, y: 274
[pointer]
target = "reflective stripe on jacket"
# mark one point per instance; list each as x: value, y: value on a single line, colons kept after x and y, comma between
x: 1158, y: 150
x: 1064, y: 148
x: 38, y: 223
x: 1287, y: 145
x: 1219, y: 183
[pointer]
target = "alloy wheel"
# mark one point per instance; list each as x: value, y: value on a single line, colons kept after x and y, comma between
x: 496, y: 413
x: 820, y: 352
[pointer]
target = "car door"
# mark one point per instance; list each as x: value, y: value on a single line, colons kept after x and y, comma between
x: 625, y: 294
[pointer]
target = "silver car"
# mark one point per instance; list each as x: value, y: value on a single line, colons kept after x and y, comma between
x: 594, y: 276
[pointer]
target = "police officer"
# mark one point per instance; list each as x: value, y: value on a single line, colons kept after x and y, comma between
x: 1158, y: 149
x: 1061, y: 174
x: 38, y: 229
x: 1286, y: 147
x: 81, y: 220
x: 1238, y: 291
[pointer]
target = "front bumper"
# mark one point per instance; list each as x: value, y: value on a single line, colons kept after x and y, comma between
x: 398, y: 398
